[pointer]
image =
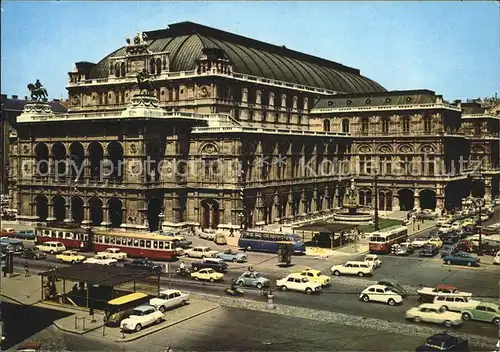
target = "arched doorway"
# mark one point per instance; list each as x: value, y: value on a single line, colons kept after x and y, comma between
x: 41, y: 159
x: 477, y: 189
x: 59, y: 157
x: 385, y: 200
x: 59, y: 205
x: 406, y: 199
x: 77, y: 155
x: 154, y: 209
x: 96, y: 154
x: 210, y: 216
x: 95, y: 205
x: 428, y: 199
x: 42, y: 207
x: 115, y: 155
x: 77, y: 209
x: 115, y: 212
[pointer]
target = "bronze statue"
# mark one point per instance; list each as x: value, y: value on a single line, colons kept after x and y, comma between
x: 38, y: 92
x: 144, y: 81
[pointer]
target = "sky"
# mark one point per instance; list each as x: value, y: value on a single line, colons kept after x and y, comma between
x: 452, y: 48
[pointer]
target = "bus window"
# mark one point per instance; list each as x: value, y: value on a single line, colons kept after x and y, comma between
x: 85, y: 237
x: 141, y: 243
x: 155, y: 244
x: 130, y: 242
x: 148, y: 244
x: 106, y: 239
x: 112, y: 240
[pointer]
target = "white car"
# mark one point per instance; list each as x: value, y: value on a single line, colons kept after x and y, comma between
x: 455, y: 303
x: 352, y: 268
x: 484, y: 217
x: 380, y: 293
x: 456, y: 226
x: 200, y: 252
x: 419, y: 242
x: 52, y: 247
x: 169, y: 299
x: 296, y: 282
x: 207, y: 236
x: 374, y: 260
x: 496, y: 260
x: 429, y: 293
x: 446, y: 228
x: 100, y: 259
x: 140, y: 317
x: 113, y: 253
x: 443, y: 221
x: 433, y: 313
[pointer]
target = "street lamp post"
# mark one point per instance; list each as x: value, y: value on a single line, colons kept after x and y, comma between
x: 479, y: 204
x: 376, y: 220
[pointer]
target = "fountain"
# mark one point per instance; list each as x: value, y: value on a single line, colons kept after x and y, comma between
x: 350, y: 213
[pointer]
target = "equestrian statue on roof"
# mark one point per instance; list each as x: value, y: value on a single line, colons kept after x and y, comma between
x: 38, y: 92
x: 144, y: 81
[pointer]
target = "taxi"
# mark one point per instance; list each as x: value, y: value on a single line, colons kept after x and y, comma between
x: 70, y: 257
x: 436, y: 241
x: 315, y: 276
x: 208, y: 275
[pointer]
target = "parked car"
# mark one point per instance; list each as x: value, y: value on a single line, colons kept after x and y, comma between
x: 230, y: 256
x: 428, y: 250
x: 461, y: 258
x: 444, y: 342
x: 455, y: 303
x: 443, y: 220
x: 374, y: 260
x: 496, y: 260
x: 113, y: 253
x: 253, y: 279
x: 143, y: 264
x: 26, y: 234
x: 381, y: 293
x: 8, y: 232
x: 296, y: 282
x: 419, y: 242
x: 17, y: 246
x: 168, y: 299
x: 394, y: 285
x: 447, y: 250
x: 436, y: 241
x: 445, y: 228
x: 404, y: 248
x: 140, y: 317
x: 33, y: 253
x: 433, y: 313
x: 466, y: 246
x: 352, y: 268
x: 316, y: 276
x: 100, y: 259
x: 207, y: 274
x: 70, y: 257
x: 451, y: 238
x: 427, y: 294
x: 484, y: 311
x: 207, y: 235
x: 214, y: 263
x: 200, y: 252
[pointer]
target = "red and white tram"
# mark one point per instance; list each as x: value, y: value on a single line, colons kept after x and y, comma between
x: 382, y: 241
x: 71, y: 236
x: 136, y: 244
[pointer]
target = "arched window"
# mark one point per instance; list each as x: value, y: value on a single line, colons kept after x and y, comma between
x: 364, y: 125
x: 405, y: 122
x: 158, y: 66
x: 117, y: 70
x: 427, y: 124
x: 122, y: 66
x: 326, y: 125
x: 385, y: 125
x: 152, y: 66
x: 345, y: 126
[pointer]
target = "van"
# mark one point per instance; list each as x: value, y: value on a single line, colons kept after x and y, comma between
x: 52, y: 247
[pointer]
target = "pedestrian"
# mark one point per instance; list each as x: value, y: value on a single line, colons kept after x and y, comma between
x: 26, y: 269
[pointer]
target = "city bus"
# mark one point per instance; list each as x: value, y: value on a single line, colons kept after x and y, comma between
x: 381, y: 241
x: 264, y: 241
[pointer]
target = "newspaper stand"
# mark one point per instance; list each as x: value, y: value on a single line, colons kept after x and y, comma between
x: 285, y: 250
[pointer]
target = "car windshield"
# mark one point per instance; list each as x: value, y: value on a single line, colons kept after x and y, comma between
x: 136, y: 312
x: 257, y: 275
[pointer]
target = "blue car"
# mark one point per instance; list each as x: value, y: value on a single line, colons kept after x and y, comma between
x: 26, y: 234
x: 461, y: 258
x: 230, y: 256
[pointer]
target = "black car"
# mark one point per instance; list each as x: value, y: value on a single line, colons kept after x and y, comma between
x: 444, y: 342
x: 33, y: 253
x: 213, y: 263
x: 143, y: 264
x: 448, y: 250
x: 450, y: 238
x: 428, y: 250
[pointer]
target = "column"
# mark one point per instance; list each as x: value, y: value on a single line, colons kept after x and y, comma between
x: 488, y: 190
x: 277, y: 205
x: 51, y: 214
x: 416, y: 199
x: 302, y: 203
x: 86, y: 216
x: 105, y: 216
x: 259, y: 204
x: 395, y: 200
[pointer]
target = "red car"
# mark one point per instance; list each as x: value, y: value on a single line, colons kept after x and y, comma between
x: 465, y: 246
